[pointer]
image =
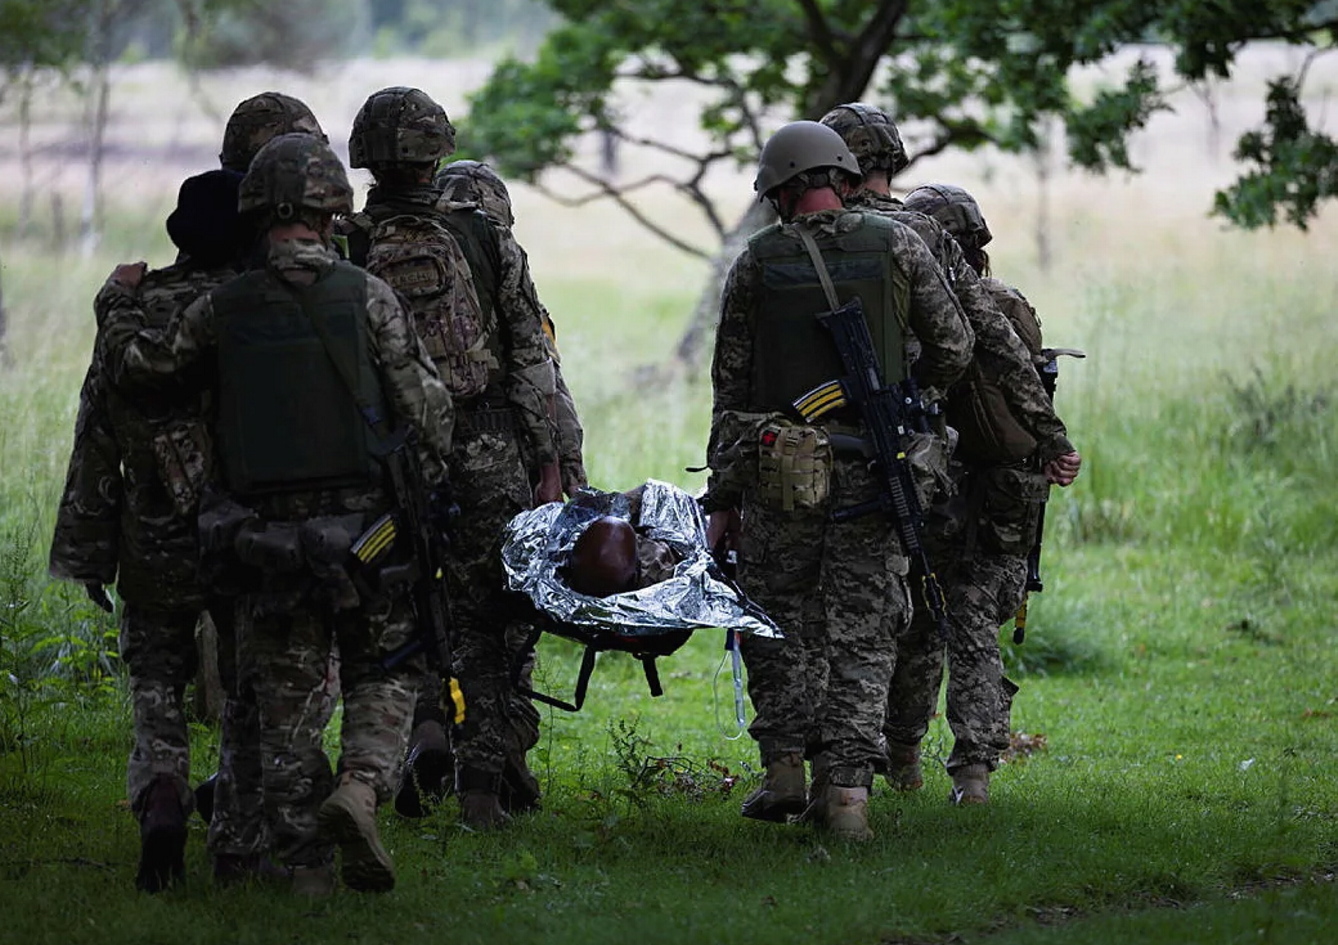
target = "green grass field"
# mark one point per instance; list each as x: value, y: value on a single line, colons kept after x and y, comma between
x: 1181, y: 664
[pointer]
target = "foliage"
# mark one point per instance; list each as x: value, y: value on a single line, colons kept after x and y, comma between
x: 296, y: 34
x: 959, y: 74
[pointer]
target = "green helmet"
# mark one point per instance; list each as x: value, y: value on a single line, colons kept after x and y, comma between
x: 476, y: 182
x: 400, y: 125
x: 871, y: 136
x: 259, y: 118
x: 797, y: 147
x: 954, y: 209
x: 292, y: 172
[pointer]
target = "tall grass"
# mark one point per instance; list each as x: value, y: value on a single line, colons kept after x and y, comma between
x: 1177, y: 683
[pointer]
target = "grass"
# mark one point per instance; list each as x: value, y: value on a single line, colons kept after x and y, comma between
x: 1178, y: 679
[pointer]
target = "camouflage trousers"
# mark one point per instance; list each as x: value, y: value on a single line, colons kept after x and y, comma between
x: 838, y: 592
x: 158, y: 646
x: 283, y: 659
x: 490, y: 486
x: 982, y: 591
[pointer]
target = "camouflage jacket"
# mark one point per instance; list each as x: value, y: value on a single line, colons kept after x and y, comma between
x: 935, y: 319
x: 136, y: 356
x: 528, y: 366
x: 568, y: 433
x: 118, y: 520
x: 998, y: 349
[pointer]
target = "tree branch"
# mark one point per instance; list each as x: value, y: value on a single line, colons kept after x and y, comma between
x: 618, y: 196
x: 860, y: 60
x: 820, y: 31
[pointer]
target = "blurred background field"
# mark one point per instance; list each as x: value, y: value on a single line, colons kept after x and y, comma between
x: 1181, y: 665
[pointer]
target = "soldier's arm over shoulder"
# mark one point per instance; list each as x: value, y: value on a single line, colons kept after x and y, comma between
x: 133, y: 354
x: 936, y: 317
x: 530, y: 384
x: 416, y: 392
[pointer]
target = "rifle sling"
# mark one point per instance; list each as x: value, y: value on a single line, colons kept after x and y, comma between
x: 820, y: 265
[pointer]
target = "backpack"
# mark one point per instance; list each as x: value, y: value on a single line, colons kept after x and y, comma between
x: 977, y: 408
x: 419, y: 258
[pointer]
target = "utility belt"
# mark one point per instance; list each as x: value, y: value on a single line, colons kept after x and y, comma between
x: 342, y: 558
x: 473, y: 420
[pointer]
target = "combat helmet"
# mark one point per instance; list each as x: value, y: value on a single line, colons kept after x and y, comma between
x: 798, y: 147
x: 871, y: 136
x: 295, y: 172
x: 400, y: 125
x: 259, y: 118
x: 954, y: 209
x: 476, y: 182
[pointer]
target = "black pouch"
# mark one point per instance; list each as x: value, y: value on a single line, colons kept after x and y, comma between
x: 1011, y: 509
x: 275, y: 548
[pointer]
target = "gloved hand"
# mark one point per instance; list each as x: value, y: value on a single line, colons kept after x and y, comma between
x: 98, y: 595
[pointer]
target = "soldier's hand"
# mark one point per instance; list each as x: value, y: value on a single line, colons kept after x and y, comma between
x: 549, y: 487
x: 722, y: 529
x: 98, y: 595
x: 128, y: 275
x: 1062, y: 470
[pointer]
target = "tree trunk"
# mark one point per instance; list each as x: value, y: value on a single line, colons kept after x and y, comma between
x: 90, y: 218
x: 26, y: 79
x: 694, y: 344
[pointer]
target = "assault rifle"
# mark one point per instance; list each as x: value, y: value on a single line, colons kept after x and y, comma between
x: 1049, y: 372
x: 889, y: 414
x: 413, y: 519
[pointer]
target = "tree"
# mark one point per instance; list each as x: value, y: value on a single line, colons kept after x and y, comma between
x: 961, y: 73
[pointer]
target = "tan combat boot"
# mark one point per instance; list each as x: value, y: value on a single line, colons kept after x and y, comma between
x: 782, y: 792
x: 348, y: 818
x: 844, y: 812
x: 970, y: 784
x: 903, y: 768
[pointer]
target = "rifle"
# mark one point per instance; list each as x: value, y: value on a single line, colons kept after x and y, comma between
x: 1049, y: 381
x: 889, y: 414
x: 425, y: 569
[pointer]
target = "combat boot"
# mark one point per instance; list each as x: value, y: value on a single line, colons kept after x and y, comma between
x: 162, y: 837
x: 427, y: 770
x: 520, y: 788
x: 903, y: 771
x: 314, y: 882
x: 480, y: 799
x: 782, y: 792
x: 970, y: 784
x: 844, y: 812
x: 348, y: 819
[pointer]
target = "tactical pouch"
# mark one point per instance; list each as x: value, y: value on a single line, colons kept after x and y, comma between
x: 183, y: 453
x: 989, y: 432
x: 1011, y: 509
x: 794, y: 466
x: 928, y: 456
x: 275, y: 548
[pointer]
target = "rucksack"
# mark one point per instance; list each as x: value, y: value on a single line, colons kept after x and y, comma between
x: 420, y: 259
x: 977, y: 408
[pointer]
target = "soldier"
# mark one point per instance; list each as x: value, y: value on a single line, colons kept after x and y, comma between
x: 838, y: 590
x: 128, y: 515
x: 472, y: 182
x: 481, y: 322
x: 258, y: 119
x: 319, y: 373
x: 1004, y: 464
x: 999, y: 352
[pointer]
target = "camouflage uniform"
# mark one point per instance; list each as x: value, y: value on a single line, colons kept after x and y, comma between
x: 118, y: 521
x: 981, y: 536
x: 473, y: 183
x: 496, y: 429
x: 289, y: 619
x: 838, y: 590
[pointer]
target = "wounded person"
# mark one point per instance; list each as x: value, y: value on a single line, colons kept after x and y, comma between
x: 637, y: 561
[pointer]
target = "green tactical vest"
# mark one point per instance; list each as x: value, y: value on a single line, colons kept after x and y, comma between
x: 792, y: 352
x: 286, y: 417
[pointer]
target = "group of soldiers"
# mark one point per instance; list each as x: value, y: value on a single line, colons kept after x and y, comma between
x: 258, y: 416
